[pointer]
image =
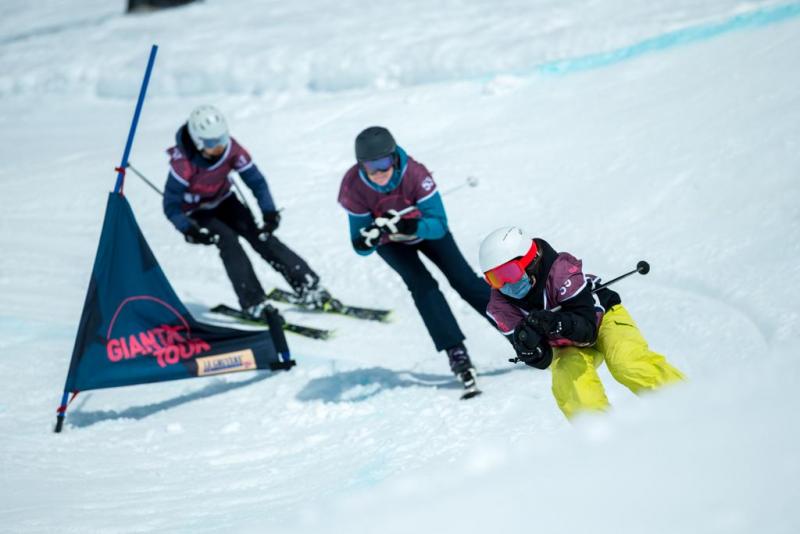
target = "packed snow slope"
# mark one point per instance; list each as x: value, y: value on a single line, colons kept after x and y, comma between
x: 618, y: 131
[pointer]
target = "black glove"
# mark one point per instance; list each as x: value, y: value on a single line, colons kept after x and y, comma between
x: 532, y: 348
x: 393, y: 224
x: 272, y: 219
x: 197, y: 235
x: 405, y: 226
x: 550, y: 324
x: 367, y: 238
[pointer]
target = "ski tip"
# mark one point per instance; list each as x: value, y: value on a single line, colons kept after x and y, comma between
x: 309, y: 332
x: 327, y: 334
x: 471, y: 393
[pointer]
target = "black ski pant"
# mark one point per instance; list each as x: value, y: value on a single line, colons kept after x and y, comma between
x: 430, y: 301
x: 231, y: 220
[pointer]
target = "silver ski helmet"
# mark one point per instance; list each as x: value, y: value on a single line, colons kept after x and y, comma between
x: 505, y: 255
x: 207, y: 127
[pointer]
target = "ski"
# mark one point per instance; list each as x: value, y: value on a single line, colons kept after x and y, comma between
x: 470, y: 392
x: 358, y: 312
x: 306, y: 331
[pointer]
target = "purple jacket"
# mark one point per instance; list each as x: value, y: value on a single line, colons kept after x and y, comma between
x: 195, y: 182
x: 564, y: 282
x: 411, y: 185
x: 207, y: 186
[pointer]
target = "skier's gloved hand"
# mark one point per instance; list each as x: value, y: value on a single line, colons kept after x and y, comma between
x: 397, y: 227
x: 397, y: 224
x: 391, y: 222
x: 406, y: 230
x: 272, y: 219
x: 197, y: 235
x: 367, y: 238
x: 550, y: 324
x: 531, y: 347
x: 387, y: 222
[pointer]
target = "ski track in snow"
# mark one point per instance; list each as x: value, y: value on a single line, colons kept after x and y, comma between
x: 686, y: 158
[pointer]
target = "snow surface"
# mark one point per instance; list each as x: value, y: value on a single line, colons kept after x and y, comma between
x: 617, y: 130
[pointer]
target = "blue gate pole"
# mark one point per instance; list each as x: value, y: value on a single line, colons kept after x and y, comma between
x: 62, y: 409
x: 121, y: 169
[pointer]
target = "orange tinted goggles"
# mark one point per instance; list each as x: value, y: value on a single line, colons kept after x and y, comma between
x: 511, y: 271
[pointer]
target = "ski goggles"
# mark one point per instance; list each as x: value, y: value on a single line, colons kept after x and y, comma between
x: 511, y: 271
x: 380, y: 164
x: 216, y: 141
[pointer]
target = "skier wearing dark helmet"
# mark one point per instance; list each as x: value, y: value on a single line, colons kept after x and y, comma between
x: 383, y: 182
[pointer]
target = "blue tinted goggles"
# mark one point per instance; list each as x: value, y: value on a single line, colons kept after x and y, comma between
x: 379, y: 165
x: 215, y: 142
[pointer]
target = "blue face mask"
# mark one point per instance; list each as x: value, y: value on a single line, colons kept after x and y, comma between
x: 518, y: 289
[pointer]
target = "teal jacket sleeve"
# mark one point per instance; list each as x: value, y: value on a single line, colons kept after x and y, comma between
x: 433, y: 224
x: 357, y: 222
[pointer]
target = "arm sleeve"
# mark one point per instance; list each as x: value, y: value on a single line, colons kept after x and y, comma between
x: 580, y: 313
x: 173, y: 197
x: 505, y: 316
x: 433, y: 223
x: 258, y: 185
x: 357, y: 222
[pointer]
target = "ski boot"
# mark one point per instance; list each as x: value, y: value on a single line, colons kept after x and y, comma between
x: 462, y: 367
x: 261, y: 311
x: 317, y: 297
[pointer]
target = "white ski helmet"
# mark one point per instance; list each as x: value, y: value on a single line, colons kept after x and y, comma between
x: 207, y: 127
x: 503, y: 245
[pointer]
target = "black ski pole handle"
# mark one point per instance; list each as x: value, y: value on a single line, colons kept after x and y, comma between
x: 642, y: 268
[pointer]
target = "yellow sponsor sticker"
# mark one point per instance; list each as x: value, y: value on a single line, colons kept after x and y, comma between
x: 230, y: 362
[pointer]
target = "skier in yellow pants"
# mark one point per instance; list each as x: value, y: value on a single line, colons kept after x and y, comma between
x: 529, y: 279
x: 576, y: 385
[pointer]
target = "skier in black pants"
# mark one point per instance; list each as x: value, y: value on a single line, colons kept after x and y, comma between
x: 384, y: 182
x: 199, y: 201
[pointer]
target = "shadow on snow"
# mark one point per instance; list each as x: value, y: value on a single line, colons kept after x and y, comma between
x: 362, y: 384
x: 349, y: 386
x: 81, y: 419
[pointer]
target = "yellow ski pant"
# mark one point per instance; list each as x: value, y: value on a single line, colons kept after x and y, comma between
x: 576, y: 384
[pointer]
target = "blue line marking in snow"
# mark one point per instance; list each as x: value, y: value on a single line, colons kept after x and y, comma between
x: 753, y: 19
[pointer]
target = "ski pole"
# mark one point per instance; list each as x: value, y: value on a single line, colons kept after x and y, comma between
x: 471, y: 181
x: 642, y: 267
x: 157, y: 190
x: 244, y: 198
x: 145, y: 180
x: 375, y: 232
x: 261, y: 236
